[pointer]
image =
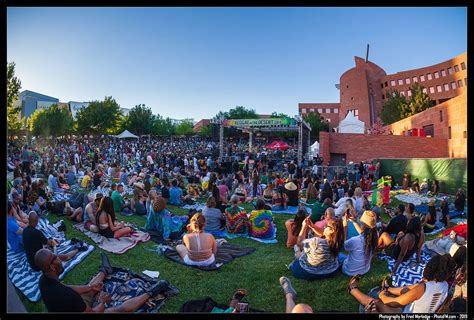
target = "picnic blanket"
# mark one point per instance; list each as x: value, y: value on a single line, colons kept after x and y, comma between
x: 59, y: 196
x: 412, y: 197
x: 291, y: 210
x: 226, y: 253
x: 197, y: 206
x: 225, y: 234
x: 117, y: 246
x: 25, y: 278
x: 157, y: 237
x: 406, y: 275
x: 123, y: 284
x: 446, y: 244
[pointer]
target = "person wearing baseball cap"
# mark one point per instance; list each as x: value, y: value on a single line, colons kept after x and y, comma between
x: 362, y: 247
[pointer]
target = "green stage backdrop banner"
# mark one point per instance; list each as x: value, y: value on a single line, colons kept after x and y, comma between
x: 451, y: 173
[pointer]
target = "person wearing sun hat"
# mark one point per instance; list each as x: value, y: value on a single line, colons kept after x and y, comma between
x: 429, y: 220
x: 362, y: 247
x: 139, y: 198
x: 291, y: 191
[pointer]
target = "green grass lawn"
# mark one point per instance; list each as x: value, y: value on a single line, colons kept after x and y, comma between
x: 258, y: 273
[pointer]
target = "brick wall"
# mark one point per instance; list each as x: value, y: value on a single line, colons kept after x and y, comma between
x: 363, y: 147
x: 451, y: 113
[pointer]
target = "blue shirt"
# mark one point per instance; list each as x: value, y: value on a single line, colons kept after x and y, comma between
x: 175, y: 195
x: 71, y: 178
x: 15, y: 240
x: 351, y: 230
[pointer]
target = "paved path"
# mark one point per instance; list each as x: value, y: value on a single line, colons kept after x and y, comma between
x: 14, y: 304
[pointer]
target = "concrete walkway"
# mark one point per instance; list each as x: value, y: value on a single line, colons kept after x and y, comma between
x: 14, y: 304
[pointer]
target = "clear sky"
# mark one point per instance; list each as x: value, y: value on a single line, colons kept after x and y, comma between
x: 193, y: 62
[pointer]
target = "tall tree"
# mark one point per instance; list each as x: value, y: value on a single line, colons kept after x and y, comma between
x: 317, y: 125
x: 205, y: 131
x: 140, y: 120
x: 14, y: 122
x: 163, y: 127
x: 392, y: 108
x: 99, y: 117
x: 184, y: 128
x: 419, y: 101
x: 53, y: 121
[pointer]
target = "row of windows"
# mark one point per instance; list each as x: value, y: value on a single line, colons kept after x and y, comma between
x: 446, y: 87
x: 320, y: 110
x: 422, y: 78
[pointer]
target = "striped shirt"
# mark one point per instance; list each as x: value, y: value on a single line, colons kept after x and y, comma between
x: 317, y: 258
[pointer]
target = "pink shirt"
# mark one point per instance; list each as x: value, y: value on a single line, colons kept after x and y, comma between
x: 223, y: 189
x: 321, y: 224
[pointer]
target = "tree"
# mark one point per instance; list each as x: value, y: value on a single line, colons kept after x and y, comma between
x: 392, y: 108
x: 163, y: 127
x: 140, y: 120
x: 184, y: 128
x: 317, y: 125
x: 14, y: 122
x: 239, y: 112
x: 419, y: 101
x: 53, y: 121
x: 205, y: 131
x: 99, y: 117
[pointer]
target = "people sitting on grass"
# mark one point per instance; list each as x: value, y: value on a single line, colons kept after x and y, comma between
x: 415, y: 186
x: 442, y: 214
x: 198, y: 248
x: 429, y: 220
x: 279, y: 200
x: 236, y: 217
x: 34, y: 200
x: 215, y: 219
x: 424, y: 187
x: 410, y: 211
x: 20, y: 216
x: 221, y: 201
x: 360, y: 248
x: 162, y: 221
x: 241, y: 192
x: 34, y: 240
x: 91, y: 212
x: 261, y: 221
x: 291, y: 190
x: 88, y: 298
x: 176, y: 194
x: 396, y: 225
x: 290, y: 296
x: 317, y: 257
x: 14, y: 229
x: 406, y: 244
x: 120, y: 205
x: 426, y: 296
x: 311, y: 195
x: 108, y: 225
x: 138, y: 202
x: 293, y: 227
x: 86, y: 182
x: 268, y: 193
x: 344, y: 202
x: 165, y: 191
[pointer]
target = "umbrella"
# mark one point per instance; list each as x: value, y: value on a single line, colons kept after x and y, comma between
x: 278, y: 145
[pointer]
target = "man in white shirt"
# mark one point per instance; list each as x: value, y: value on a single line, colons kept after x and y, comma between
x: 315, y: 169
x: 341, y: 205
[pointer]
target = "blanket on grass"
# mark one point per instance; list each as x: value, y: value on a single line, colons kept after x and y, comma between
x: 124, y: 284
x: 225, y: 234
x: 197, y: 206
x: 226, y: 253
x: 157, y: 237
x: 25, y: 278
x: 117, y: 246
x: 406, y: 275
x: 59, y: 196
x: 412, y: 197
x: 291, y: 210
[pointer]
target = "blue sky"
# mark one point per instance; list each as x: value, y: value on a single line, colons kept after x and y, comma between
x: 193, y: 62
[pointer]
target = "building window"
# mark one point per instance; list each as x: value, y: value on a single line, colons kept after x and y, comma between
x: 463, y: 66
x: 464, y: 134
x: 415, y: 79
x: 431, y: 89
x: 352, y: 98
x: 409, y: 93
x: 392, y: 83
x: 449, y: 132
x: 429, y: 130
x: 402, y: 93
x: 383, y: 96
x: 438, y: 88
x: 436, y: 74
x: 320, y: 110
x: 425, y: 91
x: 336, y: 110
x: 459, y: 83
x: 429, y: 77
x: 407, y: 80
x: 465, y: 81
x: 446, y: 87
x: 386, y: 83
x: 443, y: 73
x: 450, y: 70
x: 400, y: 82
x: 328, y: 110
x: 381, y: 85
x: 453, y: 85
x: 440, y: 115
x: 456, y: 68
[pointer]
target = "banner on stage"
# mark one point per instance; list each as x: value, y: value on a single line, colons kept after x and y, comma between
x: 259, y: 122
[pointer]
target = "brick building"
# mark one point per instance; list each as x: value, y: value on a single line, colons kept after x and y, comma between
x: 364, y: 88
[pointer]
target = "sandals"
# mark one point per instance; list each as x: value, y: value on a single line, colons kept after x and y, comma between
x: 387, y: 283
x: 239, y: 294
x: 353, y: 283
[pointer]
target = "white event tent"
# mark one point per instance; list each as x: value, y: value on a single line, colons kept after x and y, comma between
x: 126, y: 134
x: 350, y: 124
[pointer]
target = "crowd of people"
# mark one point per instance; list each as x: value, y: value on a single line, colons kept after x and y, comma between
x: 107, y: 178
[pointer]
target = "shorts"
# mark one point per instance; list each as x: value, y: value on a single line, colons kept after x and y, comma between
x: 300, y: 273
x: 108, y: 233
x: 203, y: 263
